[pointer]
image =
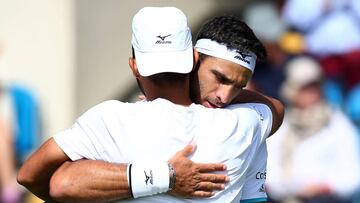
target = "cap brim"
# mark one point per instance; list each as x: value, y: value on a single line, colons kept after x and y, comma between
x: 160, y: 62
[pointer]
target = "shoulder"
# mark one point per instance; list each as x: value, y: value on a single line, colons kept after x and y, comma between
x: 107, y: 106
x: 254, y: 116
x: 104, y: 108
x: 251, y: 111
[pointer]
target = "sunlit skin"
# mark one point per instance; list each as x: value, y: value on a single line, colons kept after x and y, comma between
x: 217, y: 81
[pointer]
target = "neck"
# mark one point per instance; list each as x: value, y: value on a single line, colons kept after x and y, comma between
x: 176, y: 93
x: 175, y: 96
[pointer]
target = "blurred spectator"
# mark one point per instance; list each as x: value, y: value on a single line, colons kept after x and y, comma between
x: 263, y: 17
x: 10, y: 191
x: 314, y: 157
x: 332, y: 33
x: 19, y: 135
x: 28, y: 135
x: 352, y: 105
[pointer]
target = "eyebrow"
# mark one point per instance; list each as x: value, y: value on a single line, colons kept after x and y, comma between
x: 225, y: 79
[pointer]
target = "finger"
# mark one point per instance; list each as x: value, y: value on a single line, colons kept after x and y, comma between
x: 209, y: 187
x: 203, y: 194
x: 189, y: 149
x: 214, y: 178
x: 204, y: 168
x: 141, y: 97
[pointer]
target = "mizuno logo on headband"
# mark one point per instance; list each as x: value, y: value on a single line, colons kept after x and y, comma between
x: 212, y: 48
x: 242, y: 57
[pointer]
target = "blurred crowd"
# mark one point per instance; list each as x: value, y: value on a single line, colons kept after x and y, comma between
x: 20, y: 134
x: 313, y: 66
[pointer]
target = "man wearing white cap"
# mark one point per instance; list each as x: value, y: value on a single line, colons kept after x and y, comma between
x: 194, y: 123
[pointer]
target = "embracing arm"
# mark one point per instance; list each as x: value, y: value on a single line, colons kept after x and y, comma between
x: 86, y: 180
x: 277, y: 108
x: 89, y: 180
x: 36, y: 172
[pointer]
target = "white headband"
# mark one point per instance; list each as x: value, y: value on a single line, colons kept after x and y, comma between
x: 212, y: 48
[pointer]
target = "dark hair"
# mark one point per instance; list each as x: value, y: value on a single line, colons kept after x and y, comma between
x: 232, y: 32
x: 166, y: 78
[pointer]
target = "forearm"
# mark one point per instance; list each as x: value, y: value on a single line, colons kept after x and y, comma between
x: 36, y: 172
x: 90, y: 180
x: 37, y: 182
x: 277, y: 108
x: 100, y: 181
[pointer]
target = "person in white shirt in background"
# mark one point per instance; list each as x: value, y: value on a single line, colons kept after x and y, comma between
x: 315, y: 154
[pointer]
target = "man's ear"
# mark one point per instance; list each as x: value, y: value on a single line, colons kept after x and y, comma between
x: 196, y: 58
x: 133, y: 67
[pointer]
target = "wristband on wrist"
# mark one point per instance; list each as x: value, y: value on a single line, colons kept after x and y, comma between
x: 128, y: 172
x: 148, y: 179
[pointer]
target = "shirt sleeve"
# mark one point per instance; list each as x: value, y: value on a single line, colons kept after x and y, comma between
x: 256, y: 115
x: 265, y: 116
x: 258, y: 118
x: 75, y: 143
x: 85, y: 139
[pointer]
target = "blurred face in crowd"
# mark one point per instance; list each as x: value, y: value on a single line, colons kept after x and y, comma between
x: 308, y: 95
x: 216, y: 82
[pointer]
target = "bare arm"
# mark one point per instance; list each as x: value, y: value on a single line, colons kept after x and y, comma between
x: 86, y: 180
x: 89, y: 180
x: 36, y: 172
x: 277, y: 108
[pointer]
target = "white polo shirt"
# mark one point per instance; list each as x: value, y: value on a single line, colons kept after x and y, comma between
x: 254, y: 186
x: 144, y: 131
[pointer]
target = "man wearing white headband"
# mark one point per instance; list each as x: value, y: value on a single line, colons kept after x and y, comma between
x: 262, y: 113
x: 228, y: 51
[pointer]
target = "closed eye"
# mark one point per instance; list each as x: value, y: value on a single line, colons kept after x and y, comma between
x: 222, y: 78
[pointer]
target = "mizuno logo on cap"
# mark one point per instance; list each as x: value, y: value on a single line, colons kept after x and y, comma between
x: 162, y: 39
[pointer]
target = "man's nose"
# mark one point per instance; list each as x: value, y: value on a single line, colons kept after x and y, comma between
x: 224, y: 94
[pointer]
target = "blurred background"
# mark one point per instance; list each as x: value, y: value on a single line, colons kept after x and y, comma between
x: 59, y: 58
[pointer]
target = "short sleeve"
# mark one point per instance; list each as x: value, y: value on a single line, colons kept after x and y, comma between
x: 257, y: 115
x: 75, y: 143
x: 257, y: 118
x: 87, y: 137
x: 265, y: 117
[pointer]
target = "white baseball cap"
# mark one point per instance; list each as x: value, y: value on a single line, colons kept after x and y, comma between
x: 162, y: 41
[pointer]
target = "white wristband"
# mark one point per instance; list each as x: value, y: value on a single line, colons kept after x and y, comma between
x: 148, y: 179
